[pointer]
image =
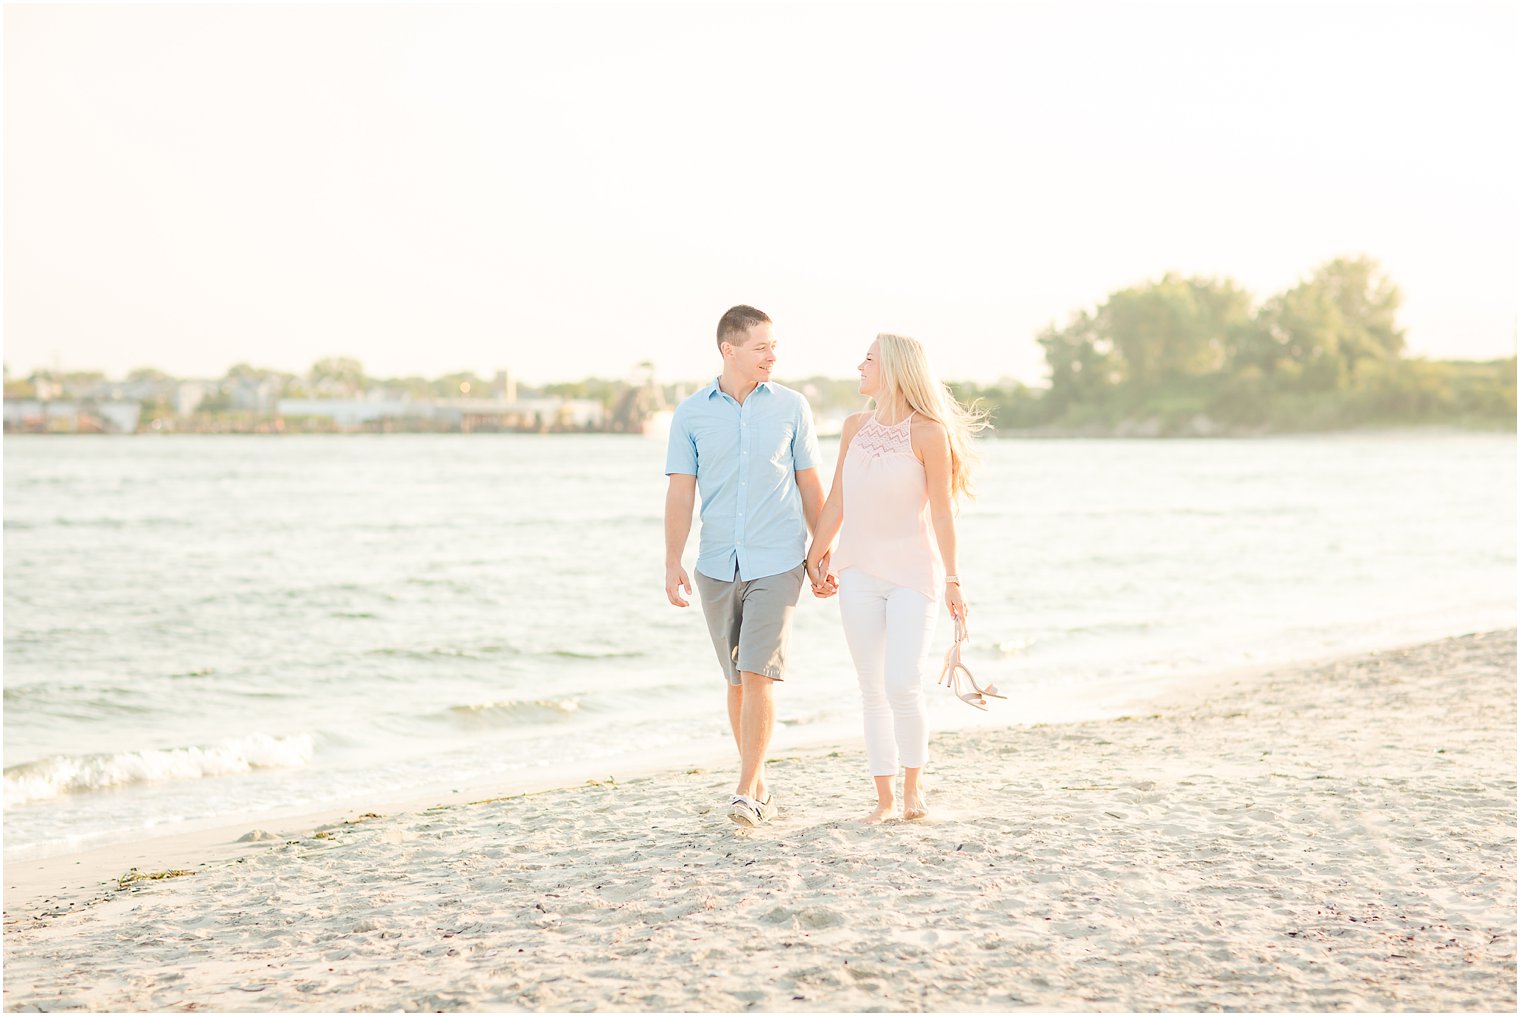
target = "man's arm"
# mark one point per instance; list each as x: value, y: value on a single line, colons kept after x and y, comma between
x: 811, y: 488
x: 805, y: 463
x: 679, y: 500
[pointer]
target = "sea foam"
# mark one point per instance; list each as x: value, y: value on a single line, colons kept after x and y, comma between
x: 69, y: 774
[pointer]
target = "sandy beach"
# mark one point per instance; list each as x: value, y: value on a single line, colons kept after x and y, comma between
x: 1332, y: 836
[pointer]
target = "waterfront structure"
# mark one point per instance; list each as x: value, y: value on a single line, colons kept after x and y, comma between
x: 57, y: 416
x: 464, y: 414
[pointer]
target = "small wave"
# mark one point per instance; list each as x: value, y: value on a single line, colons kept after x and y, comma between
x: 591, y: 654
x: 445, y: 652
x: 84, y: 701
x: 72, y: 774
x: 424, y: 654
x: 148, y: 522
x: 809, y: 719
x: 513, y: 712
x: 1112, y: 628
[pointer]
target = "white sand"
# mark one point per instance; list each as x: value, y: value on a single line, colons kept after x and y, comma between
x: 1332, y: 837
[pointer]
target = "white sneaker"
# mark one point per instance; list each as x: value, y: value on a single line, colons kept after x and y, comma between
x: 768, y: 807
x: 745, y: 811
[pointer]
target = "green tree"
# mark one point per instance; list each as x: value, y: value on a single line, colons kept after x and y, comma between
x: 1175, y: 328
x: 1298, y: 339
x: 602, y: 390
x: 247, y: 372
x: 1080, y: 359
x: 219, y: 401
x: 414, y: 385
x: 341, y: 376
x: 1323, y: 354
x: 463, y: 384
x: 1342, y: 316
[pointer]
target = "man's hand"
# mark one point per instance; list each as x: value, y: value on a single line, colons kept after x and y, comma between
x: 676, y: 579
x: 825, y: 583
x: 830, y: 580
x: 679, y: 501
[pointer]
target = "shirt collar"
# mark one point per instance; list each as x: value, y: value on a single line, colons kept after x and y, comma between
x: 717, y: 388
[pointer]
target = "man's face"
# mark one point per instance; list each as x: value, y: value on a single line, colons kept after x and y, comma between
x: 754, y: 359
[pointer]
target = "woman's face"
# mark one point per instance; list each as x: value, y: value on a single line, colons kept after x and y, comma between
x: 870, y: 371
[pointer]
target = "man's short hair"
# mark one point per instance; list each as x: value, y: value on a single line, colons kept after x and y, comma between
x: 734, y: 325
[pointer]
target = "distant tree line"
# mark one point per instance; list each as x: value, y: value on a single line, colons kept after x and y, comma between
x: 1197, y: 355
x: 339, y: 377
x: 1180, y: 355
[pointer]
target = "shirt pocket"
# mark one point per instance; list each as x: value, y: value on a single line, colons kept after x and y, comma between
x: 781, y: 448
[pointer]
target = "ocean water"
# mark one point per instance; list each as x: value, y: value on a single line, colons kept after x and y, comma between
x: 210, y: 630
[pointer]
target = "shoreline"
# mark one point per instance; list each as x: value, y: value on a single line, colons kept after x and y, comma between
x: 1337, y: 835
x: 68, y: 878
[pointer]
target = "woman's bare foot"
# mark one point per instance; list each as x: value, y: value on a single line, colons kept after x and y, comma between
x: 884, y: 810
x: 915, y: 796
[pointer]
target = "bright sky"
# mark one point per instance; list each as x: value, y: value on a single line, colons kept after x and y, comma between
x: 567, y: 190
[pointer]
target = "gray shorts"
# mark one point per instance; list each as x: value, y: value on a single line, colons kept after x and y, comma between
x: 750, y: 622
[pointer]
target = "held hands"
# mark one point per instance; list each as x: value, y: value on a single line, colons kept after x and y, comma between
x: 825, y: 583
x: 675, y: 580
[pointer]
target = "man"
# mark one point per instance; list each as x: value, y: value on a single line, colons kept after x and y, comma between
x: 749, y: 445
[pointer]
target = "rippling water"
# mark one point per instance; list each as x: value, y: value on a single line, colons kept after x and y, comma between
x: 201, y: 630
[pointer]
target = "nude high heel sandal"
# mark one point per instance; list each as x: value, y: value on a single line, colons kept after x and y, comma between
x: 955, y: 672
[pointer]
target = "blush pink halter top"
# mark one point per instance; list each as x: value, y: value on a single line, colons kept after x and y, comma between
x: 887, y: 529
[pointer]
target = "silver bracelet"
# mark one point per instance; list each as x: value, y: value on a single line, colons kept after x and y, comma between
x: 952, y: 580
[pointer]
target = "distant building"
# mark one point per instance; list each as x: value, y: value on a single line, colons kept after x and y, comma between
x: 520, y: 414
x: 353, y: 413
x: 188, y: 395
x: 68, y: 417
x: 449, y: 414
x: 136, y: 391
x: 254, y: 395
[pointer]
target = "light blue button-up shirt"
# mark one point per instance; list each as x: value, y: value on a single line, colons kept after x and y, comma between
x: 744, y: 458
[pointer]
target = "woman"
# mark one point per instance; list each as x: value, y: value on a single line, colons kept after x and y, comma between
x: 904, y: 463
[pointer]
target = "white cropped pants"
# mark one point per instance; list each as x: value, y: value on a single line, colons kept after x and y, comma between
x: 888, y: 629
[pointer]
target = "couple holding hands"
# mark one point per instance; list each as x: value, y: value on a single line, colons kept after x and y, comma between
x: 749, y: 446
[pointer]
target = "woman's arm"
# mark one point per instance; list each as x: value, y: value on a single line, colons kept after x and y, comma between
x: 932, y: 445
x: 832, y: 517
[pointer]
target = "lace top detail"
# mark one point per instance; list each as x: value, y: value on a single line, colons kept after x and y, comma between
x: 887, y: 531
x: 875, y: 439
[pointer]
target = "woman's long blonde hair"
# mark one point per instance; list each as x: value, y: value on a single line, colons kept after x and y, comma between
x: 904, y: 369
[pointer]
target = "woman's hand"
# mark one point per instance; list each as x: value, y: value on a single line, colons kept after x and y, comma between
x: 955, y: 601
x: 824, y: 584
